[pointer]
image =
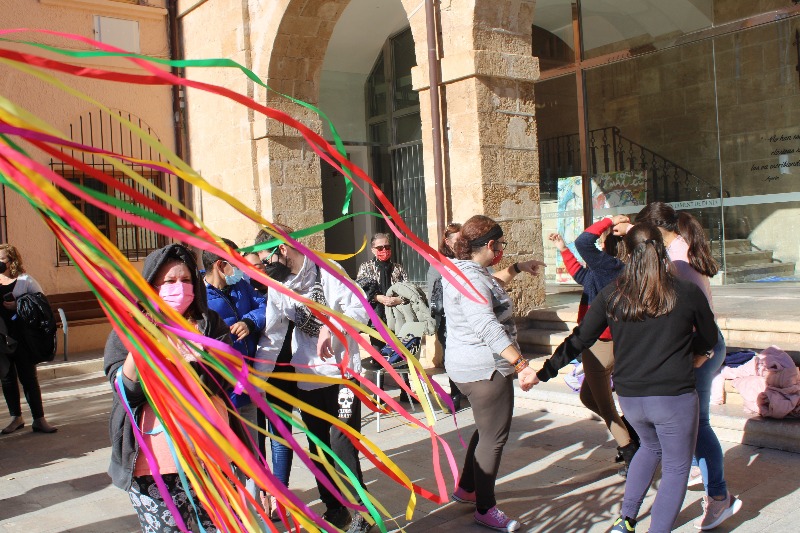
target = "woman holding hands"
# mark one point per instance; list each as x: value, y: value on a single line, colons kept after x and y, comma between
x: 482, y: 357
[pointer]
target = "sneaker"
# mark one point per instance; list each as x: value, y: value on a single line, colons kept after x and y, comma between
x: 716, y: 512
x: 695, y: 476
x: 462, y: 496
x: 339, y: 517
x: 497, y: 520
x: 359, y: 524
x: 623, y: 524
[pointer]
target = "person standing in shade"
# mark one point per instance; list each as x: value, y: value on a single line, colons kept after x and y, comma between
x: 436, y: 299
x: 690, y: 253
x: 482, y: 357
x: 659, y: 323
x: 14, y: 282
x: 273, y: 264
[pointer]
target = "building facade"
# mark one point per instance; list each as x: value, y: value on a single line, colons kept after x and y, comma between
x: 141, y: 28
x: 550, y: 114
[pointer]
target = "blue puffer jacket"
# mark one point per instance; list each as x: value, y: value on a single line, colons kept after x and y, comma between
x: 240, y: 303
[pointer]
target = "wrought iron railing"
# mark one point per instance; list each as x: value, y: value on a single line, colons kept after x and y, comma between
x: 610, y: 151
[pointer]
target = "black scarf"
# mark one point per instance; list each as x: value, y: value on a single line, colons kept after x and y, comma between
x: 385, y: 269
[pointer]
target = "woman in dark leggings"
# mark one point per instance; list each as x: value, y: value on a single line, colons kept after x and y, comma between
x: 14, y: 282
x: 482, y: 357
x: 659, y: 324
x: 436, y: 300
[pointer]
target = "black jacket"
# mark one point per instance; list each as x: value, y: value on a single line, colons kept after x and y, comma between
x: 653, y: 357
x: 124, y: 447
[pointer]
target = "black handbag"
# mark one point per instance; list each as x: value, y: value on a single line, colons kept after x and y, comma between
x: 38, y: 326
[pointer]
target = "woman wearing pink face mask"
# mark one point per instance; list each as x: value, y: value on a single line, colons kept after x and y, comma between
x: 172, y: 271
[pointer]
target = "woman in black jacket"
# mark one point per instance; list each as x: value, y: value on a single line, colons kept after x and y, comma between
x: 659, y: 324
x: 172, y: 271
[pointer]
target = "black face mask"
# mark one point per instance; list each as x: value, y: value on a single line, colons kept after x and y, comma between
x: 3, y: 267
x: 277, y: 271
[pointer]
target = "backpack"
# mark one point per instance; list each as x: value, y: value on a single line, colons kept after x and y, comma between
x: 38, y: 326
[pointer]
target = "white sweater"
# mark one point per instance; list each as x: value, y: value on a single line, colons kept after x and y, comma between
x: 281, y: 309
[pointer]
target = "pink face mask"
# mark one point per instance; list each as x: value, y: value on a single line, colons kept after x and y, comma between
x: 178, y: 295
x: 383, y: 255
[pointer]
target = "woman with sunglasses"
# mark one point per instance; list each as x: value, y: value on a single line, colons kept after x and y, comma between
x: 482, y: 357
x: 384, y: 273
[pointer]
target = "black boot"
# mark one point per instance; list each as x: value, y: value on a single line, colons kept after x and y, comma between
x: 627, y: 453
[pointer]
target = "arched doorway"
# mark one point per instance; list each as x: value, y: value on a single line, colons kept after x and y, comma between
x: 365, y: 88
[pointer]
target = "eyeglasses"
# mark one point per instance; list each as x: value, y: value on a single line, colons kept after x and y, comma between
x: 501, y: 244
x: 383, y: 247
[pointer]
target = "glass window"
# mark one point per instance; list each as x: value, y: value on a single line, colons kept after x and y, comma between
x: 559, y: 167
x: 408, y: 128
x: 616, y: 25
x: 403, y: 59
x: 376, y: 90
x: 553, y: 36
x: 759, y: 130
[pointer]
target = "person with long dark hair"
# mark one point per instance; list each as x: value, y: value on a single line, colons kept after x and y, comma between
x: 690, y: 252
x: 659, y: 323
x: 436, y: 299
x: 602, y: 267
x: 482, y: 357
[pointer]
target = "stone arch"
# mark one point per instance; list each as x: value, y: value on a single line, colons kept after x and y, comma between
x: 291, y: 49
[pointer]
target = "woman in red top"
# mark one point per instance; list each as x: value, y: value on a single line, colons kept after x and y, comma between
x: 602, y: 267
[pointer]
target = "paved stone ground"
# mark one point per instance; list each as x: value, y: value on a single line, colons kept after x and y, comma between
x: 557, y: 474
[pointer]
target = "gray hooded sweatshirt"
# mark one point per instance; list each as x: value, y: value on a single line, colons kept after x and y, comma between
x: 477, y: 331
x: 124, y: 447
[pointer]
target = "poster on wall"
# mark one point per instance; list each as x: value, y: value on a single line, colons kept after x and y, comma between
x: 609, y: 190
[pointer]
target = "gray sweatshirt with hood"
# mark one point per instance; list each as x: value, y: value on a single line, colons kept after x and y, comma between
x: 124, y: 447
x: 477, y: 331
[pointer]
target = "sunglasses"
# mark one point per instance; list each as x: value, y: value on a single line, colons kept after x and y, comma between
x: 501, y: 244
x: 383, y: 247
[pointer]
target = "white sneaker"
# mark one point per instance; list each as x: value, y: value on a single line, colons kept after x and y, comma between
x: 716, y: 512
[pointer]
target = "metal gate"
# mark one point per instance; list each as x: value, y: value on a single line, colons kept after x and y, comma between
x: 408, y: 195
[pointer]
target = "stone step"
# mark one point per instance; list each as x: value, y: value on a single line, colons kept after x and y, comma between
x: 733, y: 246
x: 755, y: 272
x: 754, y: 257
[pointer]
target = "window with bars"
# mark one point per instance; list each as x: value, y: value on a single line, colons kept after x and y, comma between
x: 134, y: 242
x: 99, y: 129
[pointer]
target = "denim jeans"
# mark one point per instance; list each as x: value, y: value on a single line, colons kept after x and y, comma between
x: 708, y: 452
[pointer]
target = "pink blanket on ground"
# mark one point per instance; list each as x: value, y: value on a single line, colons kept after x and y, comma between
x: 769, y: 384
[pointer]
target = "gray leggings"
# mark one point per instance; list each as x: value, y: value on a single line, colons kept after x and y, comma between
x: 667, y: 427
x: 492, y: 402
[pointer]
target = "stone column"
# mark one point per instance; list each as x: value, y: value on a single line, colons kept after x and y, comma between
x: 490, y: 145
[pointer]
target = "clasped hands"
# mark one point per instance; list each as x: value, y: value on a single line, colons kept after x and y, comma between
x: 527, y: 379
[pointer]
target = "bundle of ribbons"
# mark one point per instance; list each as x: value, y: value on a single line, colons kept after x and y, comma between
x: 202, y: 441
